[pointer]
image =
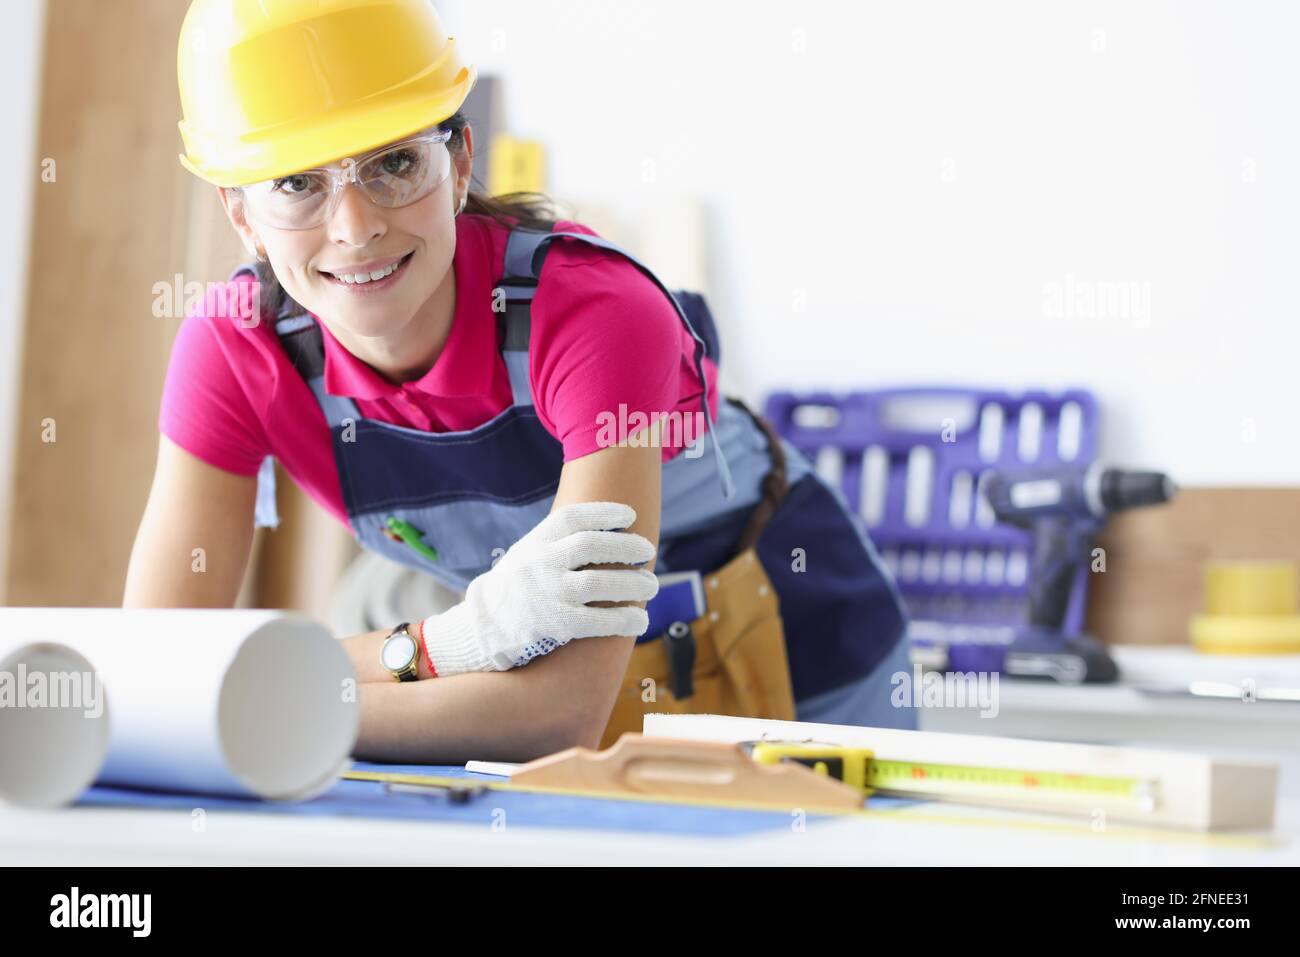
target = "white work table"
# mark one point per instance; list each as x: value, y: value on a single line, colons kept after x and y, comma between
x: 1150, y: 708
x: 932, y: 834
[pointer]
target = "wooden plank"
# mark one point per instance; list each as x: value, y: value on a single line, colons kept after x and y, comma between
x: 1191, y: 791
x: 110, y: 225
x: 124, y: 211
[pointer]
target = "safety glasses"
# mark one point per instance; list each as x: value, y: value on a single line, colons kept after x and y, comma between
x: 390, y: 176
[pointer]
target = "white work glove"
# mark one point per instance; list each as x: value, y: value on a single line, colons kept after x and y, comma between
x: 533, y: 600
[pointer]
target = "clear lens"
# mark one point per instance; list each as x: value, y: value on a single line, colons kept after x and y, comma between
x: 290, y: 202
x: 397, y: 176
x: 404, y: 174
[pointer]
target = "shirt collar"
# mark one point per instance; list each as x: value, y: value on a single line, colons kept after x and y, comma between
x: 467, y: 364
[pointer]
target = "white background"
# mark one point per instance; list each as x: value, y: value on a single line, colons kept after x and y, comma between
x: 919, y: 173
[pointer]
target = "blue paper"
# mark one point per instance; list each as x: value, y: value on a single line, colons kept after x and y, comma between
x: 370, y: 799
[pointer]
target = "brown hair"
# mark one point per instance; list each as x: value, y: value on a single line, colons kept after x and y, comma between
x: 527, y: 209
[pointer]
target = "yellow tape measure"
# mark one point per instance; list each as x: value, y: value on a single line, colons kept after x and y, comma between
x: 861, y: 769
x: 954, y: 782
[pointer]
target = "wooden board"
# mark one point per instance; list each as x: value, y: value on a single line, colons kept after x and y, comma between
x: 659, y: 767
x: 94, y: 352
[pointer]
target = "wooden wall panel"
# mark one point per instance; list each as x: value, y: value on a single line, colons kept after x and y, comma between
x: 110, y: 225
x: 120, y: 216
x: 1155, y: 557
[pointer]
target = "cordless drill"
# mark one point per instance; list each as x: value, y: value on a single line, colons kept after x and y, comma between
x: 1064, y: 508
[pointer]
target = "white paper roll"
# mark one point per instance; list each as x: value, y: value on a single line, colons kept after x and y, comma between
x: 53, y: 723
x: 215, y: 701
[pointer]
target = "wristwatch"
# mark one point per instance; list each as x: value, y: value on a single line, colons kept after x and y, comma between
x: 400, y: 654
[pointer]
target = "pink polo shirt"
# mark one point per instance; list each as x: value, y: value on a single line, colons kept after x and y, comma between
x: 602, y: 335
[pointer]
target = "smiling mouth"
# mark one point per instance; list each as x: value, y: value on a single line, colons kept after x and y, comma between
x: 375, y: 277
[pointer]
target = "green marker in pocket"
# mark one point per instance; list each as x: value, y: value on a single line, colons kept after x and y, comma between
x: 403, y: 531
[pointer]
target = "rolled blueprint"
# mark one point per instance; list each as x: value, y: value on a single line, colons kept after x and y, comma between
x: 53, y: 723
x: 215, y: 701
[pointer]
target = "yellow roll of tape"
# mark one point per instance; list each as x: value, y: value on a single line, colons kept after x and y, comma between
x: 1251, y: 588
x: 1251, y: 608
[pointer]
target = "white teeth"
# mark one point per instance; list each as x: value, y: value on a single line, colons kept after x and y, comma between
x: 363, y: 277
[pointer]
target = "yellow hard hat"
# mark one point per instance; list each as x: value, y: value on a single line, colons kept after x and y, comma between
x: 271, y: 87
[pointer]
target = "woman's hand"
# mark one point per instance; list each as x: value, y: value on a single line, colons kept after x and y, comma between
x: 534, y: 599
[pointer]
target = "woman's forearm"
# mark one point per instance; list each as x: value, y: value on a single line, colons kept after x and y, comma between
x: 555, y: 702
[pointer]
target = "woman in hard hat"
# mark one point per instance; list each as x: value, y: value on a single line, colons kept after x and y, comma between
x: 497, y: 398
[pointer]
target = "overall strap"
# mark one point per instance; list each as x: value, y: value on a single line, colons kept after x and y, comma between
x: 525, y: 252
x: 302, y: 340
x: 512, y: 300
x: 265, y: 513
x: 304, y: 344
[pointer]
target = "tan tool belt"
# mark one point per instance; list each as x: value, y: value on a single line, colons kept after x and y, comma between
x: 740, y: 665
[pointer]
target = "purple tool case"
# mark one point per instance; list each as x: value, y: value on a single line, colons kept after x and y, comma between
x: 911, y: 462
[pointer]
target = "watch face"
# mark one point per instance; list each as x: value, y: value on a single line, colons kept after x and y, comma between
x: 398, y: 652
